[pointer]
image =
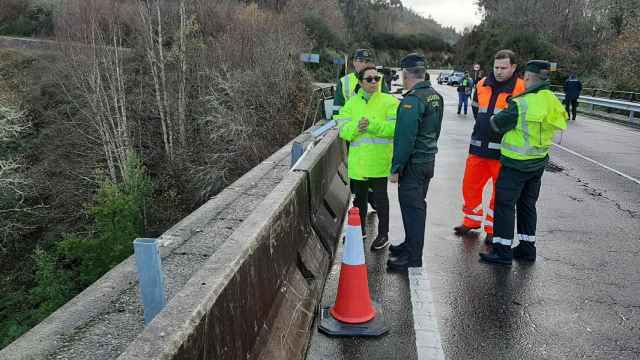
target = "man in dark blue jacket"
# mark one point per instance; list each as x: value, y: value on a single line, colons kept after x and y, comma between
x: 572, y: 89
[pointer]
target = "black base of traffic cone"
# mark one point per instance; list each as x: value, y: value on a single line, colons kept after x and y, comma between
x: 372, y: 328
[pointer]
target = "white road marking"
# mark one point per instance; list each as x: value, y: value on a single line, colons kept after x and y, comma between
x: 598, y: 163
x: 598, y: 122
x: 428, y: 343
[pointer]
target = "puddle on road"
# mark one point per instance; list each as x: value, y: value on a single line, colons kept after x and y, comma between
x: 553, y: 167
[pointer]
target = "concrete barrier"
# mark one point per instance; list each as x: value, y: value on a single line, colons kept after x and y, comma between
x: 328, y: 184
x: 105, y: 318
x: 257, y: 297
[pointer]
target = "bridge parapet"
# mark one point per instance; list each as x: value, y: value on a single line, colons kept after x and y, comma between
x: 256, y: 298
x: 244, y: 274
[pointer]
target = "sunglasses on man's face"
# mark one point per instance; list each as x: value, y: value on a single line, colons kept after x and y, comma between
x: 372, y: 79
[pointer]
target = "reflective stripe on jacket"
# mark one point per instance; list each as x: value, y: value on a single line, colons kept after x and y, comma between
x: 490, y: 97
x: 540, y: 115
x: 370, y: 152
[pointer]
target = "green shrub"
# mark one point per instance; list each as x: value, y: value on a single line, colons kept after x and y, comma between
x: 408, y: 42
x: 318, y: 30
x: 27, y: 19
x: 53, y: 287
x: 119, y: 219
x: 77, y: 261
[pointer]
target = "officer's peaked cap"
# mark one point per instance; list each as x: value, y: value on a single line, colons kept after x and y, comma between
x: 413, y: 60
x: 542, y: 67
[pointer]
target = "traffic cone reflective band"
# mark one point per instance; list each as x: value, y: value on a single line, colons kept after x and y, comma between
x: 353, y: 303
x: 354, y: 313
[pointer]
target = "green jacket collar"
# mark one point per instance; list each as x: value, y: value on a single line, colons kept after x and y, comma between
x: 421, y: 85
x: 544, y: 86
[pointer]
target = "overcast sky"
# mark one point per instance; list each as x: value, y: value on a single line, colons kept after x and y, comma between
x: 456, y: 13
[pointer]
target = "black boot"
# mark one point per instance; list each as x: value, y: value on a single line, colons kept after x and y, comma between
x: 380, y: 242
x: 500, y: 254
x: 397, y: 249
x: 525, y: 251
x: 402, y: 263
x: 462, y: 230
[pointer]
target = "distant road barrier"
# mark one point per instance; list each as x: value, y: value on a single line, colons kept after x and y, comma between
x: 602, y: 93
x: 631, y: 107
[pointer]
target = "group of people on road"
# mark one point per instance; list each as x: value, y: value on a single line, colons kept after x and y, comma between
x: 515, y: 122
x: 392, y: 140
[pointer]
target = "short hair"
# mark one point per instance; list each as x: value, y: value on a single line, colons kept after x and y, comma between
x: 418, y: 72
x: 539, y: 77
x: 506, y: 54
x: 360, y: 74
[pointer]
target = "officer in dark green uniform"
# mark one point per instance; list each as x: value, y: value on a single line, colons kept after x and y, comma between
x: 414, y: 149
x: 529, y: 125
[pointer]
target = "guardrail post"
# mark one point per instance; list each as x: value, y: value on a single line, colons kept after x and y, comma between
x: 150, y: 277
x: 296, y: 151
x: 631, y: 115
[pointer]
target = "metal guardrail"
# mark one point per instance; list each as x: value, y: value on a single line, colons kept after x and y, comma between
x: 319, y: 94
x: 631, y: 107
x: 603, y: 93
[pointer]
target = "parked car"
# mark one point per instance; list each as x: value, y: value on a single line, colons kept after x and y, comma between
x: 455, y: 79
x: 443, y: 77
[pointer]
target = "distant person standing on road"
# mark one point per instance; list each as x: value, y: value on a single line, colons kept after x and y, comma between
x: 572, y: 89
x: 464, y: 91
x: 483, y: 163
x: 368, y: 124
x: 414, y: 149
x: 529, y: 125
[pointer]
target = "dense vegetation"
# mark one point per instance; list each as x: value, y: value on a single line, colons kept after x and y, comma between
x: 149, y: 109
x: 597, y: 39
x: 385, y: 26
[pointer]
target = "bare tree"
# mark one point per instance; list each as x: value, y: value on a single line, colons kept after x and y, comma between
x: 95, y: 59
x: 151, y: 17
x: 15, y: 188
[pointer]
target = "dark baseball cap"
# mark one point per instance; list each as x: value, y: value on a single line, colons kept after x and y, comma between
x: 362, y: 54
x: 413, y: 60
x: 541, y: 66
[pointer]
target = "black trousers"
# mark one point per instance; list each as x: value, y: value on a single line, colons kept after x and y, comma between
x: 573, y: 105
x: 516, y: 195
x: 381, y: 199
x: 412, y: 192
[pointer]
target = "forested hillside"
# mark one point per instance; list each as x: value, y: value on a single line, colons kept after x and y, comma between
x: 597, y: 39
x: 148, y: 109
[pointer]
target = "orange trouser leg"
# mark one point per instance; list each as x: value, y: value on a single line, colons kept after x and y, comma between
x: 475, y: 178
x: 494, y: 169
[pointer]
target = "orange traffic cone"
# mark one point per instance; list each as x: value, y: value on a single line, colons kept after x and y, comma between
x: 354, y: 313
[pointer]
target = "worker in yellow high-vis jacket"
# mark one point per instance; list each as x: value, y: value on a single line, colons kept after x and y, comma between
x: 529, y: 125
x: 367, y: 122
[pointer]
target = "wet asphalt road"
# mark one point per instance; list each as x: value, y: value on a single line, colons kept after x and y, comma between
x: 579, y: 300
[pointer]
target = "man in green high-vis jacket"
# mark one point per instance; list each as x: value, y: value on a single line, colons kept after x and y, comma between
x: 529, y: 125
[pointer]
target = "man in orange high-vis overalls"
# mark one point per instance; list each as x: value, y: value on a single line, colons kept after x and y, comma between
x: 491, y: 96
